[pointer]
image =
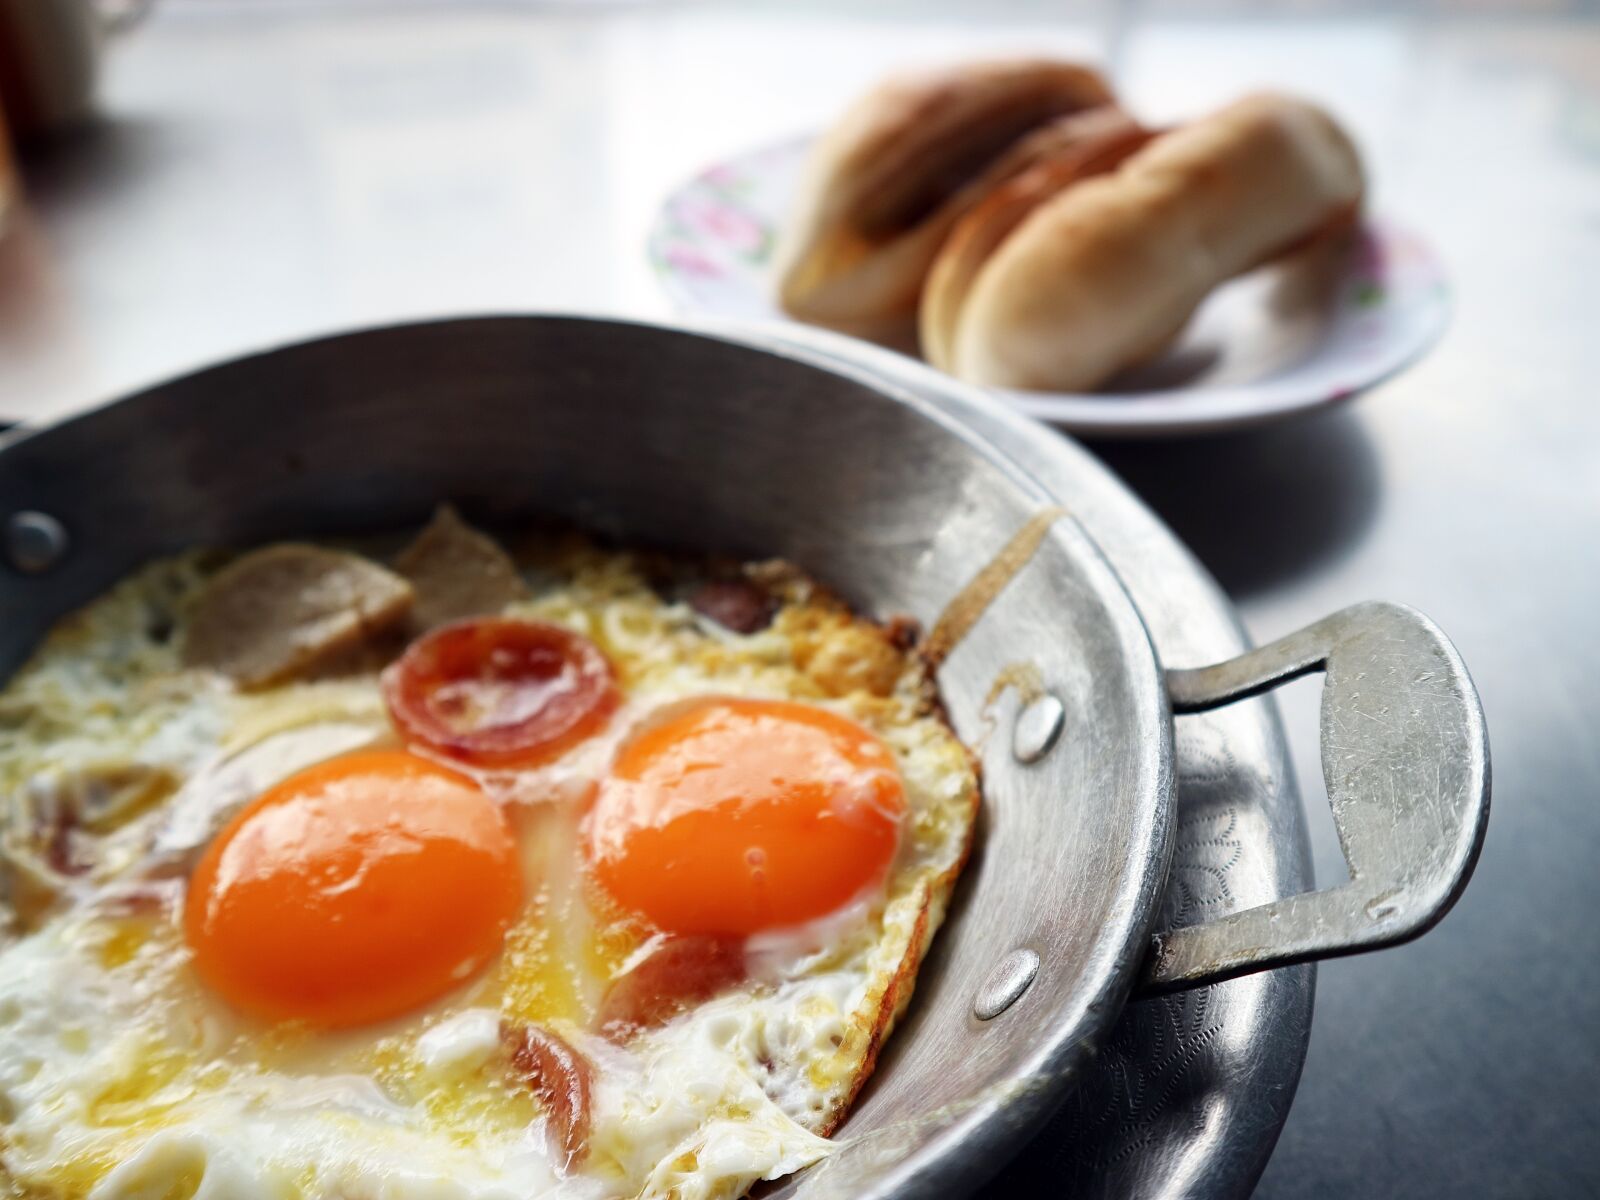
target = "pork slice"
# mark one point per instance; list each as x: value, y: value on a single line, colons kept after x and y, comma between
x: 283, y: 611
x: 456, y: 572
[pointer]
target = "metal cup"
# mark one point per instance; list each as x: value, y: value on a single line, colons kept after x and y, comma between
x: 49, y: 59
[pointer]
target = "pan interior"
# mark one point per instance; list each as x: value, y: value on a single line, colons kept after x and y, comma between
x: 692, y: 442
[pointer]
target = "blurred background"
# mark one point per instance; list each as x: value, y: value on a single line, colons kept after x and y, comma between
x: 268, y: 169
x: 199, y: 178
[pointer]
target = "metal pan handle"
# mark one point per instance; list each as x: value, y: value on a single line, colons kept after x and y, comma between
x: 1406, y: 759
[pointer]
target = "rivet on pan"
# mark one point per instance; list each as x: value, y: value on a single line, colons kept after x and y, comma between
x: 1037, y: 728
x: 35, y: 541
x: 1005, y: 985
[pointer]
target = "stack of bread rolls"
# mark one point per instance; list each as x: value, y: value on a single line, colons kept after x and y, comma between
x: 1039, y: 236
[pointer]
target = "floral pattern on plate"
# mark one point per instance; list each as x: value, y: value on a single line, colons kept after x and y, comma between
x: 1278, y: 341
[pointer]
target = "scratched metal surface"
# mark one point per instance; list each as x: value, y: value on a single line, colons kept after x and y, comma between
x: 267, y: 176
x: 1103, y: 863
x: 646, y: 433
x: 1187, y: 1096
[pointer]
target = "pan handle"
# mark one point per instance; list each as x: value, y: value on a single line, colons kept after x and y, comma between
x: 1406, y: 759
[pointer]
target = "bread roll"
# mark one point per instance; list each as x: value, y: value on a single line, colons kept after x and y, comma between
x: 884, y: 185
x: 1105, y: 273
x: 1111, y: 137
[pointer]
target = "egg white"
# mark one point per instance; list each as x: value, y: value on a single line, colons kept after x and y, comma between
x: 122, y: 1078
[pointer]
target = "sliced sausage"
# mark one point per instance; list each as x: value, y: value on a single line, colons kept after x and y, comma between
x: 683, y: 972
x: 738, y: 605
x: 561, y: 1077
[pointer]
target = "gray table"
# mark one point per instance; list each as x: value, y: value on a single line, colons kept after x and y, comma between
x: 271, y: 176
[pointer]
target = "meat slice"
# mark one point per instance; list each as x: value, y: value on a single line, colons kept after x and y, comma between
x: 683, y: 971
x: 457, y: 572
x: 739, y: 605
x: 561, y: 1078
x: 285, y: 610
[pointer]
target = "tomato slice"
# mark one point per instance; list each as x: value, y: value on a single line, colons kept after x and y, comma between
x: 497, y: 692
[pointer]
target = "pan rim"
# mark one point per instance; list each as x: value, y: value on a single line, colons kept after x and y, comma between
x: 974, y: 1144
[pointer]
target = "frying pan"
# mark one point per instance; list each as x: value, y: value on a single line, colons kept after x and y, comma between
x: 697, y: 440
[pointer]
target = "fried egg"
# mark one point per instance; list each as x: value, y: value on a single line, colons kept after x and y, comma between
x: 591, y: 879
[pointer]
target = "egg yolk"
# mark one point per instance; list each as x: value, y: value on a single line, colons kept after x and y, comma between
x: 354, y: 891
x: 732, y: 816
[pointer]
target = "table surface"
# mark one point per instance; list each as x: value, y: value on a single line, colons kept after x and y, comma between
x: 268, y: 172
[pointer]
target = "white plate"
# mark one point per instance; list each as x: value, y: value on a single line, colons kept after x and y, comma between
x: 1276, y: 342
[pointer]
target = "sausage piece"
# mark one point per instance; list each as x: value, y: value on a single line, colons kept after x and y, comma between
x: 738, y: 605
x: 562, y: 1078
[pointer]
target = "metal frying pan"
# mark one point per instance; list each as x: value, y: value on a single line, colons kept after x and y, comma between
x: 695, y: 441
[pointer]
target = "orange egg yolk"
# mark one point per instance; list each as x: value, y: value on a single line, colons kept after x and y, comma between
x: 732, y: 816
x: 354, y: 891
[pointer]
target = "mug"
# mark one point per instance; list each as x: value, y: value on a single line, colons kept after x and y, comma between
x: 49, y: 59
x: 8, y: 175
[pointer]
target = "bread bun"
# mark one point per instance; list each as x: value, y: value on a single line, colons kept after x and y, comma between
x: 884, y: 186
x: 1106, y: 137
x: 1103, y: 274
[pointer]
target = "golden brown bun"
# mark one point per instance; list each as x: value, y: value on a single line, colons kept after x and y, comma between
x: 886, y: 183
x: 1104, y: 274
x: 1103, y: 138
